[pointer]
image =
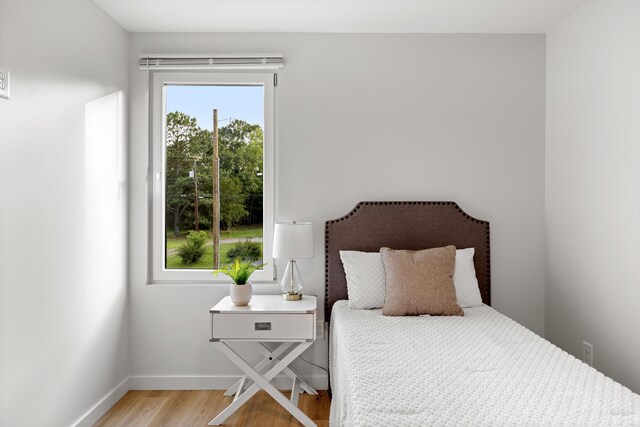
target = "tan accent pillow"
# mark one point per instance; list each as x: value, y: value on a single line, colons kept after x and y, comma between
x: 420, y: 282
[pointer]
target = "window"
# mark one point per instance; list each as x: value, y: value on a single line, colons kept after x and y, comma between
x: 212, y: 160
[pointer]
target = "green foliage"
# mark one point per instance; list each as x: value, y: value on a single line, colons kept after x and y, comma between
x: 190, y: 148
x: 174, y: 261
x: 193, y: 249
x: 246, y: 251
x: 241, y: 153
x: 232, y: 198
x: 206, y: 262
x: 239, y: 271
x: 241, y: 183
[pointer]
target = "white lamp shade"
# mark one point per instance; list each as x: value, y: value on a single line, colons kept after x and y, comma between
x: 293, y: 240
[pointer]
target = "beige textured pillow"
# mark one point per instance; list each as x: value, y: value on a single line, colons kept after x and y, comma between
x: 420, y: 282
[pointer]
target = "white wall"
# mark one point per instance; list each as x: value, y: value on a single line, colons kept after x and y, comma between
x: 593, y: 185
x: 64, y: 340
x: 365, y: 117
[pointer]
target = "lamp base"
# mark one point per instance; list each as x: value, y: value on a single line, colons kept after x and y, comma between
x: 291, y: 297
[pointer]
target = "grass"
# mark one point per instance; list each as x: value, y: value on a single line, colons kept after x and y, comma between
x: 242, y: 233
x: 239, y: 233
x: 206, y: 262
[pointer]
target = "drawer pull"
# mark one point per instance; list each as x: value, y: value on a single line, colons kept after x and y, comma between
x: 263, y: 326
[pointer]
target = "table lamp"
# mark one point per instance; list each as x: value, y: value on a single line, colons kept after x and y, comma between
x: 292, y: 240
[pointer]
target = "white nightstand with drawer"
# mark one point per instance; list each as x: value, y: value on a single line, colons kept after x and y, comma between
x: 267, y: 318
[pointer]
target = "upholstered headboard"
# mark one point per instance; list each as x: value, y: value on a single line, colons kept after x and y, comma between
x: 403, y: 225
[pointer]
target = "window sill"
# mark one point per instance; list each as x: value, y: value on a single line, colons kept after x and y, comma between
x: 260, y: 285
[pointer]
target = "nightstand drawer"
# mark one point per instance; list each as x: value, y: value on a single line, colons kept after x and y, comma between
x: 268, y: 326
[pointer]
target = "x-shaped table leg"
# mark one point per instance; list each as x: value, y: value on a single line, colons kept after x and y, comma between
x: 263, y: 382
x: 270, y: 357
x: 289, y: 371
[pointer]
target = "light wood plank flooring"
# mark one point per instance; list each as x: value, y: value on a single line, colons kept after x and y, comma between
x: 197, y: 407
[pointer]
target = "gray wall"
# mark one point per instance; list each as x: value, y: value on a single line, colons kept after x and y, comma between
x: 365, y: 117
x: 64, y: 340
x: 593, y: 185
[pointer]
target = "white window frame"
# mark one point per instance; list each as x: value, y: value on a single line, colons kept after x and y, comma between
x: 158, y: 273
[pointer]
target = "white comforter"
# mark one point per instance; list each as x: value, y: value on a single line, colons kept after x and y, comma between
x: 477, y: 370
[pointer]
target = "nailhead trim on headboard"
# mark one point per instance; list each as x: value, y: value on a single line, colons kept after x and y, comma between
x: 486, y: 296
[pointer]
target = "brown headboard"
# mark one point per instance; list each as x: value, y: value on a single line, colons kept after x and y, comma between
x: 403, y: 225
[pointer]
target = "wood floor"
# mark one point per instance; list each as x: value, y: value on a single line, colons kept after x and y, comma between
x: 197, y: 407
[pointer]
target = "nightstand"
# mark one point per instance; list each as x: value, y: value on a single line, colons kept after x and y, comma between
x: 267, y: 318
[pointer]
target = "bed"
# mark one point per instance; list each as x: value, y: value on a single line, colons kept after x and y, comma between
x: 480, y: 369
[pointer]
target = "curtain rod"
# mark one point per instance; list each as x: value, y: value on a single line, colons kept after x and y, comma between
x: 225, y: 61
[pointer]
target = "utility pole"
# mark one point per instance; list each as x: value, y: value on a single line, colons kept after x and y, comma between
x: 195, y: 209
x: 215, y: 226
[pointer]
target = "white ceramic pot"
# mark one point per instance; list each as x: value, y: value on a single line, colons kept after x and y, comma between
x: 241, y: 294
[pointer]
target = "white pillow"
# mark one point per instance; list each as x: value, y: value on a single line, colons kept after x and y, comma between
x: 365, y: 279
x: 464, y: 279
x: 364, y: 272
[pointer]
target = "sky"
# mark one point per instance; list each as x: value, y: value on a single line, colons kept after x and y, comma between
x: 238, y: 102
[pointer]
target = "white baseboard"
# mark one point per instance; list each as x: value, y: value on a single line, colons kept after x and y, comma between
x: 101, y: 408
x: 217, y: 382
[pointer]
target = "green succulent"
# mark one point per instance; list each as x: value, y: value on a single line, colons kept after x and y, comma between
x: 239, y: 271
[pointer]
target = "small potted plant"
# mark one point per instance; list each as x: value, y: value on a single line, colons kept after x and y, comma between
x: 241, y: 289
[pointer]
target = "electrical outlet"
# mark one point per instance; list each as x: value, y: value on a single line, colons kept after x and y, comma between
x: 587, y: 353
x: 4, y: 83
x: 319, y: 330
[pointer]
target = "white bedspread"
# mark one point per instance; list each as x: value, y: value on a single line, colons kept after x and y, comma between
x: 481, y: 369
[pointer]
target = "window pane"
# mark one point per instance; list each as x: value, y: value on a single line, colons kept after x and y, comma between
x: 190, y: 196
